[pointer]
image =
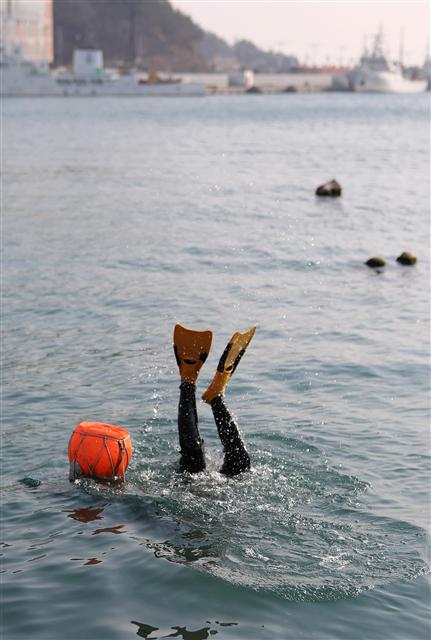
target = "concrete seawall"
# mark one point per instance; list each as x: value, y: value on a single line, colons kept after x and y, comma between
x: 217, y: 83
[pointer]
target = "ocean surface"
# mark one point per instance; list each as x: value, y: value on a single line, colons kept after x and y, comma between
x: 125, y: 216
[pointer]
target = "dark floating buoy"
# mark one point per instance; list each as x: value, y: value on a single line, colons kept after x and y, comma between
x: 29, y: 482
x: 407, y: 258
x: 254, y: 89
x: 331, y: 188
x: 375, y: 263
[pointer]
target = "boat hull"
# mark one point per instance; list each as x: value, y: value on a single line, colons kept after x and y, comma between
x: 19, y: 80
x: 130, y: 88
x: 385, y: 82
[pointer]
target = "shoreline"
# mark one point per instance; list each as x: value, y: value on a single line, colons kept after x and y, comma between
x: 217, y: 83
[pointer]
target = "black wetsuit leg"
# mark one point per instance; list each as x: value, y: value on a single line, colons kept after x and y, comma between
x: 192, y: 452
x: 236, y: 457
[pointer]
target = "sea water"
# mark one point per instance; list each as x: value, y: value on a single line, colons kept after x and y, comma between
x: 125, y: 216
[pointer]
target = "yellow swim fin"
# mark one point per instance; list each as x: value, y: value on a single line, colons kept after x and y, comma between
x: 228, y: 363
x: 191, y: 350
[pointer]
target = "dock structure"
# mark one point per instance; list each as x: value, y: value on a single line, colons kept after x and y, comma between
x: 217, y: 83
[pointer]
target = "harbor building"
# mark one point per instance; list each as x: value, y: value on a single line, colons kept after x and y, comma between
x: 27, y: 29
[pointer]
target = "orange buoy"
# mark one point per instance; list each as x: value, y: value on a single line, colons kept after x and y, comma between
x: 99, y: 450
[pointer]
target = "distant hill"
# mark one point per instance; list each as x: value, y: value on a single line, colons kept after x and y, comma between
x: 151, y: 35
x: 130, y: 32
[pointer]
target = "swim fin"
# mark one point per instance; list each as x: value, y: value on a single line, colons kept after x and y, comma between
x: 228, y: 363
x: 191, y: 350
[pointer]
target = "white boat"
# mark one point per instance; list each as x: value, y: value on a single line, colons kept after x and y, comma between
x: 426, y: 70
x: 375, y: 74
x: 87, y: 78
x: 20, y: 77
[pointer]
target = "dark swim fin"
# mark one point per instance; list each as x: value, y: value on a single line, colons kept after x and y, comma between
x: 228, y: 363
x: 191, y: 350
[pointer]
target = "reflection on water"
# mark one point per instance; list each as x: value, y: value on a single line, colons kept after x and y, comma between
x: 37, y: 558
x: 88, y: 561
x: 89, y: 514
x: 109, y: 530
x: 85, y: 514
x: 148, y: 631
x: 93, y: 561
x: 178, y: 550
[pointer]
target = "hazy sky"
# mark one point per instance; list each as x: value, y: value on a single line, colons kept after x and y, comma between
x: 317, y: 31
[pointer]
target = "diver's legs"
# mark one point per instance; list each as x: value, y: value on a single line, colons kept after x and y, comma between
x: 191, y: 350
x: 192, y: 453
x: 236, y: 458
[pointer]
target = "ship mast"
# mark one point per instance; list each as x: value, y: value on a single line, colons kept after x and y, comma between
x: 401, y: 48
x: 132, y: 17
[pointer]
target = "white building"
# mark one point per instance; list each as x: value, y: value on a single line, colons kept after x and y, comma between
x: 27, y: 29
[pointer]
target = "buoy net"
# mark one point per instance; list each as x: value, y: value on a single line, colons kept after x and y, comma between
x: 99, y: 450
